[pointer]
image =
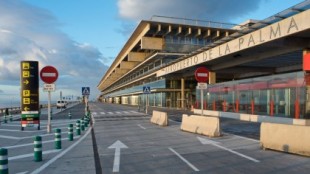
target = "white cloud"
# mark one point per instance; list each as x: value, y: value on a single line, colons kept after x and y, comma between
x: 31, y: 33
x: 214, y: 10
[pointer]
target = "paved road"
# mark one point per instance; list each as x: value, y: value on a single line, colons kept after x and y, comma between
x: 147, y: 148
x: 123, y: 140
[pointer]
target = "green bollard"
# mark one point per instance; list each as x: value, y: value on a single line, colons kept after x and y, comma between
x: 70, y: 132
x: 85, y: 122
x: 5, y: 121
x: 82, y: 125
x: 11, y: 117
x: 58, y: 139
x: 77, y: 127
x: 37, y: 148
x: 51, y: 114
x: 4, y: 168
x: 88, y: 120
x: 69, y: 115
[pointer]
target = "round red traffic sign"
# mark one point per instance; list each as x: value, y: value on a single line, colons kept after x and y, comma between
x: 49, y: 74
x: 202, y: 74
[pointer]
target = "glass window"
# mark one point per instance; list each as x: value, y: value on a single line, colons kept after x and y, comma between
x: 278, y: 95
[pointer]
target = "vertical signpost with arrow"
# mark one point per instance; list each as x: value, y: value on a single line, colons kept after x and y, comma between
x: 49, y: 75
x: 29, y: 83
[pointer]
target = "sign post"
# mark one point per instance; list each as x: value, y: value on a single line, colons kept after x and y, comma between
x: 49, y: 75
x: 29, y: 81
x: 86, y: 93
x: 202, y: 76
x: 147, y: 91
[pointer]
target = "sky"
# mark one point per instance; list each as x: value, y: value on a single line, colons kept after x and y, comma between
x: 81, y: 38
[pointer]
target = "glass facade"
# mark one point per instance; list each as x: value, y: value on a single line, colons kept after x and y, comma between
x: 277, y: 95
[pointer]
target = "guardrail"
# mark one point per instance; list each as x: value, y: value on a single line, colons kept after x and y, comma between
x: 16, y: 110
x: 13, y: 110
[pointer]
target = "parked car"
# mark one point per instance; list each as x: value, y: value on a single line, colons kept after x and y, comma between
x: 61, y: 104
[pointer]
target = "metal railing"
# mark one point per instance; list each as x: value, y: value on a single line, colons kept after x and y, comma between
x: 192, y: 22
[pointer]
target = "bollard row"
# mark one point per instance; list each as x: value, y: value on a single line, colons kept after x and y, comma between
x: 80, y: 125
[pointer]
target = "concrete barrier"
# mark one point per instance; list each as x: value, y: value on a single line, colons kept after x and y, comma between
x: 209, y: 126
x: 159, y: 118
x: 288, y: 138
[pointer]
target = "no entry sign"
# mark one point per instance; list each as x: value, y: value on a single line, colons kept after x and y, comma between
x: 202, y: 74
x: 49, y: 74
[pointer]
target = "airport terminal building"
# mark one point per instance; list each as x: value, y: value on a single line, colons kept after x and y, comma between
x: 255, y: 68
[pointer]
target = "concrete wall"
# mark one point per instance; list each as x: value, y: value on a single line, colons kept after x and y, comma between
x: 287, y: 138
x: 209, y: 126
x: 159, y: 118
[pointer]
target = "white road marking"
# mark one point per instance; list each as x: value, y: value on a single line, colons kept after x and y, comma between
x: 20, y: 138
x: 22, y: 172
x: 9, y: 137
x: 214, y: 143
x: 184, y: 160
x: 103, y: 113
x: 15, y: 130
x: 174, y: 121
x: 31, y: 154
x: 251, y: 139
x: 118, y: 145
x: 31, y: 144
x: 141, y: 126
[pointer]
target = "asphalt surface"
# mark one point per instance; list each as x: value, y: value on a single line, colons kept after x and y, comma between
x: 122, y: 140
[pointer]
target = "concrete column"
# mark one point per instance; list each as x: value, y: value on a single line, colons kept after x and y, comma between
x: 307, y: 77
x: 212, y: 77
x: 182, y: 93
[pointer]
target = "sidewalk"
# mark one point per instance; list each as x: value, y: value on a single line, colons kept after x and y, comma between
x: 76, y: 160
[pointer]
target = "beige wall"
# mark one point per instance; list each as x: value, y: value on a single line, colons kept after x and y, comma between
x: 286, y: 27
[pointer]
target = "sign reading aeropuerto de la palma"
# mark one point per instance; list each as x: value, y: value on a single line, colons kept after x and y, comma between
x: 29, y: 82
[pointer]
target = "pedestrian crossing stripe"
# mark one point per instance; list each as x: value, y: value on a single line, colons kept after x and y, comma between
x: 116, y: 112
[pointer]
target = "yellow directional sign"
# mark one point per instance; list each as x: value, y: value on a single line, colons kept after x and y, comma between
x: 25, y: 65
x: 26, y: 108
x: 26, y: 82
x: 26, y: 74
x: 26, y: 93
x: 26, y: 101
x: 29, y: 92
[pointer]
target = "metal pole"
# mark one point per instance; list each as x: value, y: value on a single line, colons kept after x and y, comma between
x: 201, y: 100
x: 86, y: 104
x: 49, y: 126
x: 146, y: 101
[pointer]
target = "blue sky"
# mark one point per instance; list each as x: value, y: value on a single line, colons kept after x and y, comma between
x: 81, y: 38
